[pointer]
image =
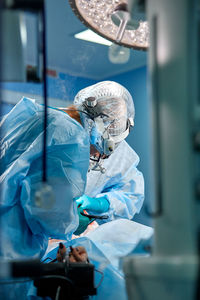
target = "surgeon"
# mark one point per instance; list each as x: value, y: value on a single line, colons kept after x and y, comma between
x: 115, y: 187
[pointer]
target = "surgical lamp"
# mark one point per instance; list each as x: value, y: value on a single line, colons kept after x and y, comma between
x: 119, y: 21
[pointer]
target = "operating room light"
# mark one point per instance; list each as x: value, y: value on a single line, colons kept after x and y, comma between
x: 90, y: 36
x: 111, y: 20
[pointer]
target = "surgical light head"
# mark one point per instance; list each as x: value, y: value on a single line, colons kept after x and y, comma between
x: 110, y: 113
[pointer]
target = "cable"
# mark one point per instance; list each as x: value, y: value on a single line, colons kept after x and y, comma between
x: 44, y: 160
x: 102, y: 277
x: 96, y: 160
x: 82, y: 111
x: 90, y: 115
x: 58, y: 293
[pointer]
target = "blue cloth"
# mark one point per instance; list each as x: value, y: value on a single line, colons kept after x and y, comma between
x: 99, y: 205
x: 122, y: 183
x: 25, y: 224
x: 105, y: 251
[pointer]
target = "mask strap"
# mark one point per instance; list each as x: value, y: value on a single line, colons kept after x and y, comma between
x: 97, y: 166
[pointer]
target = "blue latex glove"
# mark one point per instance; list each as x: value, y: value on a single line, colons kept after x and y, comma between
x: 83, y: 222
x: 99, y: 205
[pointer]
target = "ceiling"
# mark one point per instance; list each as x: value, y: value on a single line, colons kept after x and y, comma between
x: 76, y: 57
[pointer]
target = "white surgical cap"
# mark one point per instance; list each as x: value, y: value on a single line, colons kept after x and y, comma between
x: 115, y: 101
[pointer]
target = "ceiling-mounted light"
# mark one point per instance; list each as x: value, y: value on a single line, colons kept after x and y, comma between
x: 118, y: 54
x: 111, y: 19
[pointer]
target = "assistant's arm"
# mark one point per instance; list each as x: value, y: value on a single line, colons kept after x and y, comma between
x: 122, y: 185
x: 126, y: 196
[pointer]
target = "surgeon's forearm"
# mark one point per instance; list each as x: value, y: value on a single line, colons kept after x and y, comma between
x: 123, y: 204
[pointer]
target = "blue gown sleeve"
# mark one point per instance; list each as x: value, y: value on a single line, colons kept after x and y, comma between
x: 127, y: 196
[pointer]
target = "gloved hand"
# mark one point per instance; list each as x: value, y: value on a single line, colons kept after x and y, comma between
x: 83, y: 222
x: 99, y: 205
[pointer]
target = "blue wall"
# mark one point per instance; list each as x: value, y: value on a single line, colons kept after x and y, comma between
x: 63, y: 87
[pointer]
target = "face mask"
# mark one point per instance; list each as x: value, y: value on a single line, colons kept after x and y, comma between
x: 96, y: 139
x: 101, y: 138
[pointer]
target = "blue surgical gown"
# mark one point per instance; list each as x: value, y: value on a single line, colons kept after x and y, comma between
x: 25, y: 224
x: 122, y: 183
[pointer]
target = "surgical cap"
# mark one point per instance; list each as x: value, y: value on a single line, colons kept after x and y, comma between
x: 114, y: 101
